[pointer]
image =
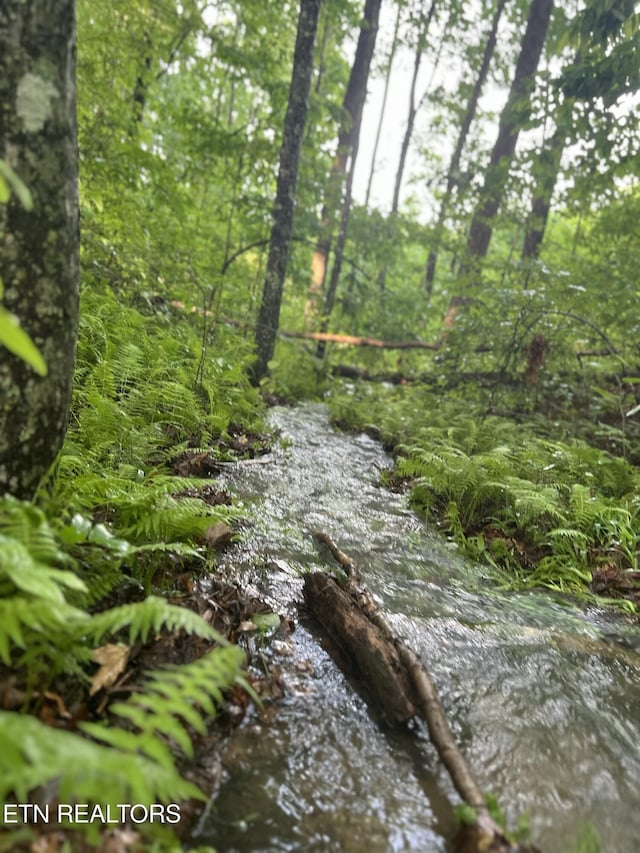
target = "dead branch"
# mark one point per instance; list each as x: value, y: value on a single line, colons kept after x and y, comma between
x: 344, y: 561
x: 485, y: 834
x: 374, y: 659
x: 353, y: 340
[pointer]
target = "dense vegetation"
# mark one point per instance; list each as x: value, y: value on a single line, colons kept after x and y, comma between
x: 517, y: 425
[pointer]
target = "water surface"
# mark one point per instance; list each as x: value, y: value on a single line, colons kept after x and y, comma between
x: 543, y: 697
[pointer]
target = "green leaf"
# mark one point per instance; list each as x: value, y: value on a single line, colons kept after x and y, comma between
x: 8, y: 178
x: 19, y: 343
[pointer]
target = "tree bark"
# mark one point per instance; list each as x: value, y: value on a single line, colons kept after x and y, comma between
x: 454, y: 165
x: 413, y: 108
x: 295, y: 120
x: 373, y: 657
x: 339, y: 253
x: 39, y: 249
x: 512, y: 119
x: 383, y: 108
x: 408, y: 131
x: 353, y: 105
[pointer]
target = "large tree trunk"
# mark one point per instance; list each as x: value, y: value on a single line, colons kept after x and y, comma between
x: 512, y: 119
x: 39, y: 249
x: 353, y: 105
x: 454, y: 165
x: 294, y: 124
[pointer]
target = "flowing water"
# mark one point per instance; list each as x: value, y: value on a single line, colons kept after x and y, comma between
x: 543, y: 697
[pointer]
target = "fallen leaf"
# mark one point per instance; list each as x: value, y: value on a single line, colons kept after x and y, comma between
x: 119, y: 841
x: 58, y: 701
x: 218, y: 535
x: 10, y: 697
x: 113, y: 659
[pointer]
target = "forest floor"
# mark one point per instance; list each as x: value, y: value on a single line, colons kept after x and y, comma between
x: 243, y: 619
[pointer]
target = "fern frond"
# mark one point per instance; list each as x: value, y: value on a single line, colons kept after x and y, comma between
x: 144, y: 617
x: 33, y: 755
x: 172, y: 698
x: 30, y: 576
x: 25, y: 523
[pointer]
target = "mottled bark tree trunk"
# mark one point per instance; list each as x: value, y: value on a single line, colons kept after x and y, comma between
x: 454, y: 165
x: 512, y: 119
x: 353, y: 106
x: 279, y: 247
x: 38, y: 249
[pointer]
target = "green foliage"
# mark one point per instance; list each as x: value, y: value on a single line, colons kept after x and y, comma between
x: 294, y: 375
x: 180, y: 109
x: 15, y: 339
x: 39, y: 628
x: 172, y: 699
x: 109, y: 515
x: 33, y: 754
x: 542, y: 512
x: 136, y: 404
x: 42, y: 634
x: 588, y: 841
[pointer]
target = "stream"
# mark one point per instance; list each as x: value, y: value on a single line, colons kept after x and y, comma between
x: 543, y: 696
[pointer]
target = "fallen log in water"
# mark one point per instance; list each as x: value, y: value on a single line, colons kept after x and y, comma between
x: 374, y: 658
x: 399, y: 685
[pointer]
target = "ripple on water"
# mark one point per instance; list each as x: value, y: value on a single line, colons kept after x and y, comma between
x: 544, y: 706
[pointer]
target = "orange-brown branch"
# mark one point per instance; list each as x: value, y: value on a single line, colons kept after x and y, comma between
x: 353, y: 340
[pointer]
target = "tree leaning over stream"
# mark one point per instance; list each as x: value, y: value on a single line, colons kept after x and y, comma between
x: 39, y: 248
x: 280, y: 244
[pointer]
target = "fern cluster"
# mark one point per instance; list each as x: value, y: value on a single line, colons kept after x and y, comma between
x: 551, y: 512
x: 543, y: 512
x: 110, y: 510
x: 43, y: 635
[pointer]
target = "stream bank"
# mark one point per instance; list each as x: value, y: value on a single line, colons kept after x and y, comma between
x: 543, y: 696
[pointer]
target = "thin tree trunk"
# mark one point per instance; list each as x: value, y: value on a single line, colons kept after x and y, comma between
x: 408, y: 131
x: 40, y: 248
x: 513, y: 117
x: 338, y: 254
x: 324, y: 41
x: 541, y: 201
x: 279, y: 247
x: 546, y: 171
x: 454, y: 165
x: 413, y: 108
x: 383, y: 108
x: 353, y: 106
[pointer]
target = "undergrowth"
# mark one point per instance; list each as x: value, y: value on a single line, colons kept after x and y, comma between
x: 543, y: 512
x: 112, y: 514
